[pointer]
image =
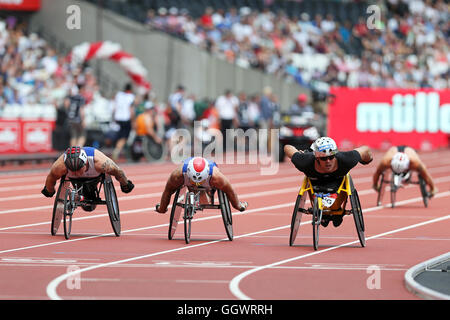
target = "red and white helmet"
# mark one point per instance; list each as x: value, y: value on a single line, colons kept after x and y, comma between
x: 324, y: 146
x: 198, y: 170
x: 400, y: 162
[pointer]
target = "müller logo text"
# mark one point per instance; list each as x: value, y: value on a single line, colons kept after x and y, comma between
x: 421, y: 112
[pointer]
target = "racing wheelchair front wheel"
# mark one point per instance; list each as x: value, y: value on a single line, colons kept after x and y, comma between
x: 226, y: 213
x: 112, y: 205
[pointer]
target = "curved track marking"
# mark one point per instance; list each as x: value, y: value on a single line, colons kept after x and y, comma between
x: 234, y: 283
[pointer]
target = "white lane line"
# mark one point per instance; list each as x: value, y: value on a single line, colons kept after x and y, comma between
x: 234, y: 283
x: 52, y: 286
x: 146, y: 228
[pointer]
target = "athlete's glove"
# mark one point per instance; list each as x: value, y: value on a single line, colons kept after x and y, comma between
x: 157, y: 208
x: 47, y: 193
x: 128, y: 187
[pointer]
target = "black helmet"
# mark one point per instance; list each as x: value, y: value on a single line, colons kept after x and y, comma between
x: 75, y: 158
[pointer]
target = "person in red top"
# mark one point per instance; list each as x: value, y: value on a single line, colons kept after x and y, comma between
x: 206, y: 18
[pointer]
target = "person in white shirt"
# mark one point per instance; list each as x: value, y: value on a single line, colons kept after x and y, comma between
x: 227, y: 106
x: 123, y: 116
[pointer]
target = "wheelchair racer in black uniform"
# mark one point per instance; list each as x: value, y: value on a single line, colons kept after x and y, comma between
x: 325, y: 166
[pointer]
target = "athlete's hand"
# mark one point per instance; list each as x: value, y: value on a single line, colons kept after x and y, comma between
x: 47, y: 193
x: 158, y: 207
x: 433, y: 192
x: 375, y: 187
x: 243, y: 205
x: 128, y: 187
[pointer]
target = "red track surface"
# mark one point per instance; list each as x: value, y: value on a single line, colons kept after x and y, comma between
x: 258, y: 264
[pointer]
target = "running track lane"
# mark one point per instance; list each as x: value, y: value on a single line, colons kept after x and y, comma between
x: 148, y: 266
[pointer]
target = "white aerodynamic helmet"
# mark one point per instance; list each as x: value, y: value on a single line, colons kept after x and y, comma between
x: 400, y: 162
x: 198, y: 170
x: 324, y: 147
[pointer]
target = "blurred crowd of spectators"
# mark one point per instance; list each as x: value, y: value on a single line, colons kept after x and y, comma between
x: 32, y: 72
x: 407, y: 47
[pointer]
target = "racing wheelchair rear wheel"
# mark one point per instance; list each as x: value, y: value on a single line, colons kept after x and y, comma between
x: 58, y: 206
x: 357, y: 214
x: 112, y: 204
x: 381, y: 189
x: 297, y: 217
x: 175, y: 213
x: 423, y: 191
x: 226, y: 213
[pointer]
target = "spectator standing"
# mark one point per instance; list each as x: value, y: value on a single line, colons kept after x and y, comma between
x: 176, y: 101
x: 266, y: 107
x: 75, y: 117
x: 245, y: 122
x: 123, y: 116
x: 227, y: 105
x: 301, y: 106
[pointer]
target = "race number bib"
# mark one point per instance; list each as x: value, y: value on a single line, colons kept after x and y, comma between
x: 328, y: 199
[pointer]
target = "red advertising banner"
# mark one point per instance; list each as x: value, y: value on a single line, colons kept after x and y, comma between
x: 381, y: 118
x: 22, y: 5
x: 17, y: 136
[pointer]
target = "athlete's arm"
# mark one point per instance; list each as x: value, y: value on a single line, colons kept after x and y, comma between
x: 220, y: 182
x: 57, y: 170
x: 366, y: 154
x: 104, y: 164
x: 175, y: 181
x: 423, y: 172
x: 290, y: 150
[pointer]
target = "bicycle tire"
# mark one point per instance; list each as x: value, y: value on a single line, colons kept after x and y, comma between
x: 58, y: 207
x: 175, y: 214
x: 296, y: 218
x: 226, y: 214
x: 68, y: 211
x: 317, y: 217
x: 423, y: 191
x: 112, y: 205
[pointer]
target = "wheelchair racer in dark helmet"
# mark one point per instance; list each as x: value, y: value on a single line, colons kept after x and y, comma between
x: 198, y: 172
x: 84, y: 162
x: 326, y: 166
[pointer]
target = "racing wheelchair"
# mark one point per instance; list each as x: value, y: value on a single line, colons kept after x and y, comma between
x: 321, y: 201
x: 190, y: 204
x: 399, y: 180
x: 84, y: 192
